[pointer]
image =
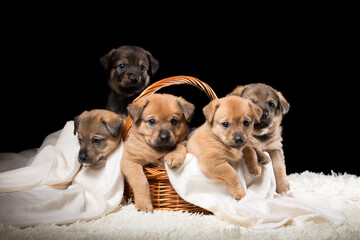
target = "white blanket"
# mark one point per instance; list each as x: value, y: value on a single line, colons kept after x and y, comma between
x: 261, y: 208
x: 48, y: 186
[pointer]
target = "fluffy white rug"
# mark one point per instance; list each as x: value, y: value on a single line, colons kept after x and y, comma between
x: 127, y: 223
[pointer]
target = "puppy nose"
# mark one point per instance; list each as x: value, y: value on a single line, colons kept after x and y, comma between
x: 164, y: 136
x: 238, y: 139
x: 134, y: 79
x: 264, y: 115
x: 82, y: 156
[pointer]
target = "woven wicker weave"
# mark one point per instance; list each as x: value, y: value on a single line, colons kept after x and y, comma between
x: 163, y: 195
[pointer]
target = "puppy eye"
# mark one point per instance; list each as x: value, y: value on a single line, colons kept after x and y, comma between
x: 122, y: 66
x: 174, y: 121
x: 142, y: 68
x: 271, y: 105
x: 152, y: 121
x: 96, y: 141
x: 79, y: 140
x: 225, y: 124
x: 246, y: 123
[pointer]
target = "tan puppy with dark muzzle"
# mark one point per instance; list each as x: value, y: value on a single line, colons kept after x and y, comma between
x: 267, y: 133
x: 99, y: 133
x: 222, y: 139
x: 160, y: 127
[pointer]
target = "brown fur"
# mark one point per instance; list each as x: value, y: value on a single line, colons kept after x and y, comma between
x: 267, y: 133
x: 223, y: 137
x: 158, y: 134
x: 130, y: 69
x: 99, y: 133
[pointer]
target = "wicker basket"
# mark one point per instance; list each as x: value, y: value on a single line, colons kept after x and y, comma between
x: 163, y: 195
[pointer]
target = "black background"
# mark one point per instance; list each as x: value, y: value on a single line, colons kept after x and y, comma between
x: 50, y: 70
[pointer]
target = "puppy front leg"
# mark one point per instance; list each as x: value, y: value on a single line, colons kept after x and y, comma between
x: 278, y: 161
x: 176, y: 157
x: 251, y: 160
x: 224, y: 173
x: 262, y: 158
x: 134, y: 174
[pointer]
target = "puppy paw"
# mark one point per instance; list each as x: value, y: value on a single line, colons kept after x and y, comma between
x: 174, y: 159
x: 238, y: 193
x: 255, y: 170
x: 282, y: 187
x: 239, y: 196
x: 144, y: 206
x: 263, y: 159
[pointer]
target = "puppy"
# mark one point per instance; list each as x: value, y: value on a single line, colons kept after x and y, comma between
x: 159, y: 130
x: 130, y: 69
x: 221, y: 140
x: 99, y: 133
x: 267, y: 133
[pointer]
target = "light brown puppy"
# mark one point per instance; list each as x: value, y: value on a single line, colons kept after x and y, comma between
x: 99, y: 133
x: 222, y: 138
x: 160, y: 127
x: 267, y: 133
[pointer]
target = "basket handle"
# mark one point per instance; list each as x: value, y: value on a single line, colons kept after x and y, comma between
x: 176, y: 80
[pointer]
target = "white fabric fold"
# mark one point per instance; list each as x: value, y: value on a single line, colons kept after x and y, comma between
x: 261, y: 208
x: 51, y: 187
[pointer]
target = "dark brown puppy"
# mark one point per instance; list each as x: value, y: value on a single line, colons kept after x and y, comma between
x: 267, y: 133
x: 130, y: 69
x: 158, y: 134
x: 99, y: 133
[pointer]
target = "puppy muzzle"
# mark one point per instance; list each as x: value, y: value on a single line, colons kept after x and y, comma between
x: 265, y: 120
x: 262, y: 124
x: 133, y: 78
x: 87, y: 161
x: 164, y: 140
x: 82, y: 156
x: 238, y: 142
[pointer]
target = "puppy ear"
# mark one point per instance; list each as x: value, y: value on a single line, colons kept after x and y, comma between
x: 210, y: 109
x: 105, y: 60
x: 115, y: 126
x: 76, y: 124
x: 284, y: 105
x: 186, y: 107
x: 238, y: 91
x: 154, y: 64
x: 257, y: 111
x: 135, y: 109
x: 77, y: 121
